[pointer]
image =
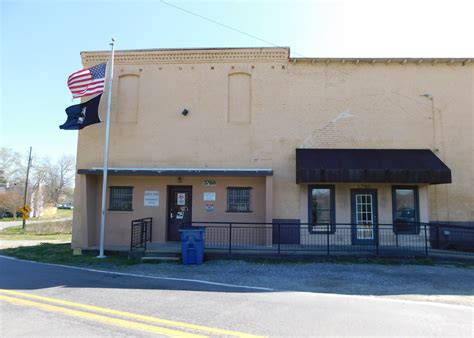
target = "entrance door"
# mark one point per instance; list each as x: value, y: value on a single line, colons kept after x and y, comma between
x: 364, y: 216
x: 179, y: 209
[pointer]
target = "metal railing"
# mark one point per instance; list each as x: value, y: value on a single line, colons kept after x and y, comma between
x: 140, y: 233
x: 413, y: 239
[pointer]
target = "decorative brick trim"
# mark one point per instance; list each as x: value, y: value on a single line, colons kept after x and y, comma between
x: 163, y: 56
x: 224, y: 55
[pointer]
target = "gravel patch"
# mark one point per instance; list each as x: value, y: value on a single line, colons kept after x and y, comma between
x: 439, y: 283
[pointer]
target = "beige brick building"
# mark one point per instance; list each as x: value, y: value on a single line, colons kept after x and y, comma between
x: 212, y: 135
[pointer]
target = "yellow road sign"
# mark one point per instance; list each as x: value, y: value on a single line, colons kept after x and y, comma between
x: 25, y: 211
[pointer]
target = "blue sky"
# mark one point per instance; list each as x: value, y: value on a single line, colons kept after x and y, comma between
x: 41, y: 41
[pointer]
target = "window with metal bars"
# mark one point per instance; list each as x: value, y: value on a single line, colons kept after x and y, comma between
x: 121, y: 198
x: 239, y: 199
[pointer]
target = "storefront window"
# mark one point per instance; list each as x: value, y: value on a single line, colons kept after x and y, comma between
x: 321, y: 209
x: 405, y: 210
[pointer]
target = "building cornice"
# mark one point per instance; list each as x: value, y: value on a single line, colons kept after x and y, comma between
x: 164, y: 56
x: 387, y: 61
x: 223, y: 55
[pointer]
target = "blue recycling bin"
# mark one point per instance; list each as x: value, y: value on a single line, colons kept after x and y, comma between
x: 192, y: 245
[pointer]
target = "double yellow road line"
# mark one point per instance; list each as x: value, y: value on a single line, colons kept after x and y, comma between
x: 123, y: 319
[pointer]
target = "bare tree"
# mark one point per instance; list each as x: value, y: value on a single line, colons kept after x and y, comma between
x: 54, y: 178
x: 12, y: 167
x: 39, y: 176
x: 12, y: 179
x: 62, y: 177
x: 11, y: 201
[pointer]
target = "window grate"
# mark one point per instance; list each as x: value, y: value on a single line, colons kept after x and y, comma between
x: 239, y: 199
x: 121, y: 198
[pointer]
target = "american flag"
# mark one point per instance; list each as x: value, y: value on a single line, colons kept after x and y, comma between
x: 87, y: 81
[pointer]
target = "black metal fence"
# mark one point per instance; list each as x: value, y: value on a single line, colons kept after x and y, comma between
x: 141, y: 233
x: 413, y: 239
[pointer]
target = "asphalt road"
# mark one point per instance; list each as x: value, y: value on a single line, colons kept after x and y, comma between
x: 47, y: 300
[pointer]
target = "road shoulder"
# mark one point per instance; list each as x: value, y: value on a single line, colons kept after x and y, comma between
x: 435, y: 284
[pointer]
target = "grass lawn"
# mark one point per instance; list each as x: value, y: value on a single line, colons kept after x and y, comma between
x: 33, y: 237
x: 39, y: 231
x: 62, y: 254
x: 10, y: 219
x: 61, y: 213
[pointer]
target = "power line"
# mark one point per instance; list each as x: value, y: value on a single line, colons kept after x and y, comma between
x: 224, y: 25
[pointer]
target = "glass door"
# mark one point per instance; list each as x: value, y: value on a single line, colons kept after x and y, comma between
x: 364, y: 216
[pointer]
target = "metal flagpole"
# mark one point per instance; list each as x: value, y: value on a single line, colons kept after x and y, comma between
x: 106, y: 152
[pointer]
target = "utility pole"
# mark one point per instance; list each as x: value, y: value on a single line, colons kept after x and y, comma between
x: 26, y: 186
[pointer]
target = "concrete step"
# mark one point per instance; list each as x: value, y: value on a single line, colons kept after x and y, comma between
x: 155, y: 254
x: 160, y: 253
x: 160, y: 258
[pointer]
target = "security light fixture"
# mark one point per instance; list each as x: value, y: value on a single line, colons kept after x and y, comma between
x: 185, y: 112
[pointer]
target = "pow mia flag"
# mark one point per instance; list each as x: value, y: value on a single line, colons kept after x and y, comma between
x: 82, y: 115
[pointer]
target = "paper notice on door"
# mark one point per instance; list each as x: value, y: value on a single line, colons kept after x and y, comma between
x: 181, y: 198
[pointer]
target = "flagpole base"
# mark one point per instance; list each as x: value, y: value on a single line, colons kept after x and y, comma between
x: 101, y: 256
